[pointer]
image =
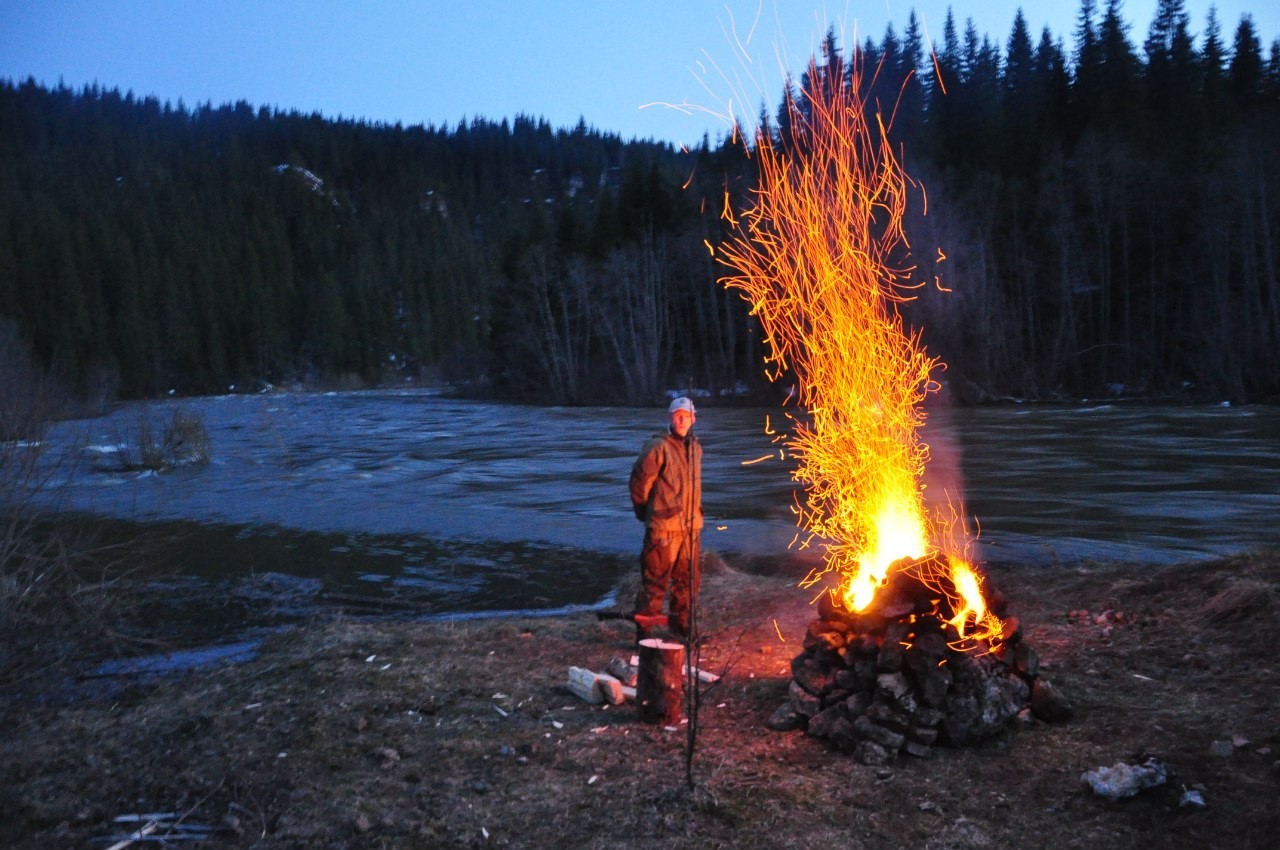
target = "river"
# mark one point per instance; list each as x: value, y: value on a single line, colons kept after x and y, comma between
x: 462, y: 507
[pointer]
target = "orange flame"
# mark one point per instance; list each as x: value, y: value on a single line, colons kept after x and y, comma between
x: 815, y: 257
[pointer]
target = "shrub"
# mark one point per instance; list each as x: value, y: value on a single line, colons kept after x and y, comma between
x: 29, y: 398
x: 52, y: 575
x: 183, y: 441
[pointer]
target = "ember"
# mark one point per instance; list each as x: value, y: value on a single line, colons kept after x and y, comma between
x: 891, y: 679
x: 909, y: 648
x: 821, y: 258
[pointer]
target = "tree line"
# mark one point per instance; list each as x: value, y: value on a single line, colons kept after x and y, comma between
x: 1100, y: 222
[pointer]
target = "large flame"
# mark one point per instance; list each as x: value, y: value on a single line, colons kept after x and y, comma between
x: 815, y: 257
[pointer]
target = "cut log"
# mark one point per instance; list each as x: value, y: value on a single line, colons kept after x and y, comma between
x: 621, y: 670
x: 611, y: 689
x: 660, y: 682
x: 595, y: 688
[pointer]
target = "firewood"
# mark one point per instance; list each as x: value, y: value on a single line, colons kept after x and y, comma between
x: 621, y: 670
x: 660, y: 682
x: 595, y: 688
x: 613, y: 691
x: 703, y: 675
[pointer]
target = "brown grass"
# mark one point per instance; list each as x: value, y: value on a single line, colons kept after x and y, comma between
x: 347, y: 733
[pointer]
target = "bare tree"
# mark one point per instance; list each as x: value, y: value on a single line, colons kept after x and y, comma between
x: 560, y: 324
x: 635, y: 317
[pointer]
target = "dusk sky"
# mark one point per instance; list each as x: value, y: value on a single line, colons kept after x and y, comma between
x: 433, y: 62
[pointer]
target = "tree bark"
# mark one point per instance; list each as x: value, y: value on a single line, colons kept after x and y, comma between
x: 660, y: 682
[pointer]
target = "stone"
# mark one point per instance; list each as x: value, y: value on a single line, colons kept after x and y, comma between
x: 833, y: 727
x: 933, y: 682
x: 785, y: 718
x: 894, y: 602
x: 892, y: 651
x: 832, y: 608
x: 917, y: 749
x: 1047, y: 703
x: 857, y: 704
x: 1191, y: 799
x: 872, y: 731
x: 820, y: 724
x: 894, y: 684
x: 1222, y: 749
x: 811, y: 674
x: 906, y: 703
x: 846, y: 679
x: 865, y: 670
x: 922, y: 734
x: 842, y: 735
x: 1026, y: 661
x: 802, y: 701
x: 819, y: 636
x: 886, y: 714
x: 928, y: 717
x: 864, y: 646
x: 1126, y: 780
x: 835, y: 696
x: 870, y: 753
x: 985, y: 696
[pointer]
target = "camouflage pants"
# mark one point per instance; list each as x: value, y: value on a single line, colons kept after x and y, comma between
x: 670, y: 564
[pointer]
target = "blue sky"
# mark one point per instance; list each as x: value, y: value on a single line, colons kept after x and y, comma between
x: 434, y: 62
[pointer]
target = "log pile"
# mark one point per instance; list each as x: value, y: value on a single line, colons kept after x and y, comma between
x: 890, y: 680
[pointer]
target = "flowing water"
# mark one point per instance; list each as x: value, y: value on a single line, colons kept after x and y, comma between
x: 455, y: 507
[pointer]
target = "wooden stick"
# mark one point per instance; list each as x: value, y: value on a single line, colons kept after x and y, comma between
x: 137, y: 836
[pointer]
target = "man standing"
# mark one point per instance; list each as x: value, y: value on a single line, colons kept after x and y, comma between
x: 666, y: 492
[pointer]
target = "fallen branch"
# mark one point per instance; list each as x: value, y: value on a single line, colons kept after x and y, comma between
x: 140, y: 834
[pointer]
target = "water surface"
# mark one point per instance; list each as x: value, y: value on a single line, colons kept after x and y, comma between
x: 458, y: 506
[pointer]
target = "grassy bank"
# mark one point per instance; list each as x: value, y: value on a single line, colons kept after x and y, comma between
x: 347, y: 733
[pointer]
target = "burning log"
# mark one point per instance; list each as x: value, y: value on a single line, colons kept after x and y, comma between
x: 660, y: 682
x: 895, y: 678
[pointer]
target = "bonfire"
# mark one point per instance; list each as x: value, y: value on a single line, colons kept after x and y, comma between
x: 909, y: 646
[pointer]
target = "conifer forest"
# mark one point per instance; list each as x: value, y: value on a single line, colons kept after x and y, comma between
x: 1102, y: 221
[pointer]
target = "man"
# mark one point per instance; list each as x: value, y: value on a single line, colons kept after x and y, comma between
x: 666, y: 492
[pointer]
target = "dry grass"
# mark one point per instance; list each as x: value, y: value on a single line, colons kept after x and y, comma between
x: 400, y: 734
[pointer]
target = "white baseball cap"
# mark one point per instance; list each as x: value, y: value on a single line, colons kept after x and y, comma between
x: 682, y: 403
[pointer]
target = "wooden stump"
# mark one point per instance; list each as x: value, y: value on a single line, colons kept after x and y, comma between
x: 660, y: 682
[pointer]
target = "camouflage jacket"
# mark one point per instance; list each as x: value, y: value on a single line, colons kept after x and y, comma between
x: 666, y: 484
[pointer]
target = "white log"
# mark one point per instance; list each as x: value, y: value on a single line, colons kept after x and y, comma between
x: 703, y: 675
x: 582, y: 684
x: 611, y: 689
x: 595, y: 688
x: 622, y: 671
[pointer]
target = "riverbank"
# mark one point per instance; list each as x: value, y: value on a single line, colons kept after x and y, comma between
x: 344, y: 731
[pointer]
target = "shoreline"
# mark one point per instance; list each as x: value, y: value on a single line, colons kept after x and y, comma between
x: 345, y: 732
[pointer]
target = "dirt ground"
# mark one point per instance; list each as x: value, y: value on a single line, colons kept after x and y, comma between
x: 346, y: 732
